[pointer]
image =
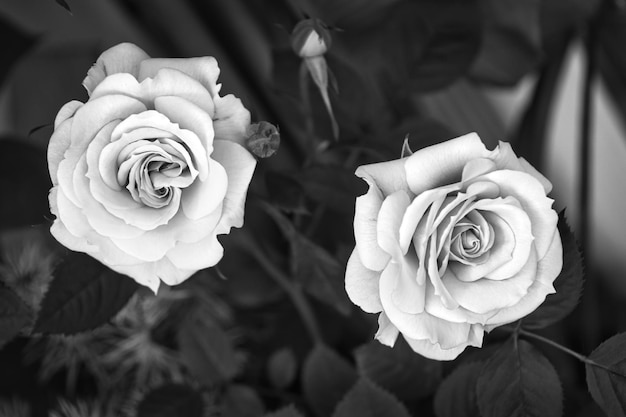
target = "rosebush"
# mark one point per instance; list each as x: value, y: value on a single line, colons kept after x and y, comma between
x: 452, y: 241
x: 151, y: 168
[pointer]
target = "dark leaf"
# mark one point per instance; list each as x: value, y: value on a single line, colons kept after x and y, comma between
x: 171, y: 400
x: 285, y: 192
x: 367, y: 400
x: 319, y: 273
x: 83, y: 295
x: 326, y: 378
x: 518, y: 381
x: 289, y: 411
x: 281, y: 368
x: 606, y: 377
x: 64, y: 4
x: 14, y: 314
x: 511, y: 45
x: 333, y: 186
x: 568, y: 285
x: 433, y: 42
x: 14, y: 42
x: 206, y: 349
x: 25, y: 183
x: 241, y: 401
x: 456, y: 396
x: 399, y: 370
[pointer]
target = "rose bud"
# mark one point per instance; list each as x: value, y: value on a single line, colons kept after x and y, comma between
x: 452, y: 241
x: 310, y: 38
x: 263, y: 139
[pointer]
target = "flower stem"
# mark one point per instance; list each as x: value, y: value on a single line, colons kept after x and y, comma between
x: 293, y: 290
x: 555, y: 345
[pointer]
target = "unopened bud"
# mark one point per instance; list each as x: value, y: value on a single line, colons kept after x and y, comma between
x: 263, y: 139
x: 310, y: 38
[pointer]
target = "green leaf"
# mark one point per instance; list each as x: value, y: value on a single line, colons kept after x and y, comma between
x: 319, y: 273
x: 171, y: 400
x: 281, y: 368
x: 205, y: 349
x: 456, y: 396
x: 241, y: 401
x: 367, y: 400
x: 289, y: 411
x: 14, y: 314
x: 25, y: 183
x: 326, y: 377
x: 399, y: 370
x: 518, y: 381
x: 606, y: 377
x: 568, y: 285
x: 511, y: 45
x: 83, y: 295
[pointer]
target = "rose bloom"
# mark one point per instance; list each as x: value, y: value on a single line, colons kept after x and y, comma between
x: 452, y: 241
x: 151, y: 168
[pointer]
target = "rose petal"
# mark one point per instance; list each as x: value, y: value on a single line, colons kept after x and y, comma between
x: 442, y: 164
x: 189, y: 117
x: 202, y: 197
x: 531, y: 195
x: 204, y: 69
x: 231, y: 119
x: 548, y: 270
x: 239, y: 165
x: 418, y: 326
x: 512, y: 242
x: 68, y: 110
x: 366, y: 212
x: 409, y: 295
x: 388, y: 225
x: 504, y: 157
x: 416, y: 210
x: 362, y: 285
x: 436, y: 352
x: 170, y: 274
x: 167, y: 82
x: 122, y: 58
x: 387, y: 333
x: 142, y: 126
x: 103, y: 222
x: 487, y: 295
x: 196, y: 255
x: 58, y: 144
x: 75, y: 223
x: 388, y: 177
x: 477, y: 167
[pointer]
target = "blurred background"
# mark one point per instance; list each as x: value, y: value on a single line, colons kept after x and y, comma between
x: 549, y: 76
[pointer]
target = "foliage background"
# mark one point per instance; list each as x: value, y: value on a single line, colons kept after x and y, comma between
x: 509, y: 70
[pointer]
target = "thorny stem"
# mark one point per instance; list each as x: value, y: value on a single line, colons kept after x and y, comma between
x: 293, y: 290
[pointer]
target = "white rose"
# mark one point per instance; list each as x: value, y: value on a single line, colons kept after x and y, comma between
x: 151, y: 169
x: 452, y: 241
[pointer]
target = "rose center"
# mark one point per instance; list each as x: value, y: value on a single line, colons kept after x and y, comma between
x: 468, y: 242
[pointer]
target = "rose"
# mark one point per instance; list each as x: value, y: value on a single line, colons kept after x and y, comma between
x: 151, y: 168
x: 452, y: 241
